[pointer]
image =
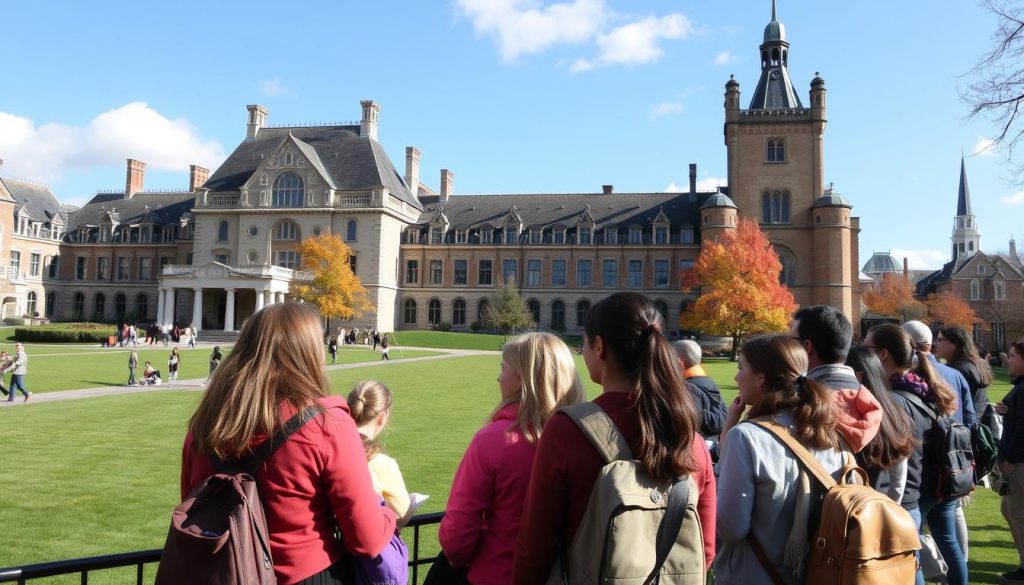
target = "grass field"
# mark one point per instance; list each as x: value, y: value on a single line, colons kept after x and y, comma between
x: 99, y: 476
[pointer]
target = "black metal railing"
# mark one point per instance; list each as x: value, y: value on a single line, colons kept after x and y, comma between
x: 84, y: 567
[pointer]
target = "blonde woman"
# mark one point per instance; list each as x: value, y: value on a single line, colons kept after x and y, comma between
x: 538, y: 376
x: 315, y: 481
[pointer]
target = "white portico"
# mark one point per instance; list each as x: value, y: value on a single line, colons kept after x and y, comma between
x: 221, y: 296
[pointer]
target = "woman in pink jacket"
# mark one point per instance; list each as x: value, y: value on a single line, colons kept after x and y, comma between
x: 538, y: 376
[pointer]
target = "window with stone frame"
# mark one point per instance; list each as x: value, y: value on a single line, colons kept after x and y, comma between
x: 584, y: 273
x: 585, y: 235
x: 15, y: 261
x: 103, y: 268
x: 686, y: 235
x: 610, y: 274
x: 286, y: 259
x: 636, y: 274
x: 661, y: 273
x: 288, y: 191
x: 351, y: 232
x: 535, y: 236
x: 558, y: 234
x: 123, y: 268
x: 459, y: 312
x: 508, y: 270
x: 30, y: 303
x: 533, y: 272
x: 460, y: 236
x: 144, y: 268
x: 775, y: 207
x: 558, y: 272
x: 486, y: 235
x: 611, y: 235
x: 222, y: 231
x: 286, y: 231
x: 460, y: 274
x: 484, y: 277
x: 581, y: 312
x: 511, y: 235
x: 975, y: 290
x: 54, y: 268
x: 636, y: 235
x: 661, y: 235
x: 434, y: 312
x: 33, y: 264
x: 80, y: 267
x: 436, y: 271
x: 409, y: 314
x: 775, y: 150
x: 412, y: 271
x: 533, y: 306
x: 558, y: 315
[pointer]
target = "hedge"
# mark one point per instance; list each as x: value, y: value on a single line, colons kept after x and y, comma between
x: 66, y: 333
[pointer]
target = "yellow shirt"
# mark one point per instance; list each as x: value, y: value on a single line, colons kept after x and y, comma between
x: 388, y: 482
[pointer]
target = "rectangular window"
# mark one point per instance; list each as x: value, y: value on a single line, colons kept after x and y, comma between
x: 584, y: 273
x: 436, y: 235
x: 55, y: 266
x: 412, y: 271
x: 533, y: 273
x: 486, y: 235
x: 559, y: 236
x: 610, y: 274
x: 461, y: 272
x: 661, y: 273
x: 436, y: 271
x: 287, y: 231
x: 636, y: 274
x: 285, y: 259
x: 484, y: 273
x: 123, y: 268
x: 558, y: 273
x: 144, y: 264
x: 535, y: 236
x: 661, y: 235
x: 508, y: 269
x: 635, y: 236
x: 15, y: 261
x: 103, y: 268
x: 610, y: 235
x: 585, y: 235
x: 80, y: 268
x: 460, y: 236
x: 686, y: 235
x: 353, y: 263
x: 33, y: 265
x: 511, y: 235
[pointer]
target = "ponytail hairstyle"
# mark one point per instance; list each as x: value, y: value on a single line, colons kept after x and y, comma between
x: 783, y: 362
x: 894, y: 441
x: 549, y: 380
x: 630, y: 328
x: 368, y: 400
x: 894, y: 339
x: 966, y: 350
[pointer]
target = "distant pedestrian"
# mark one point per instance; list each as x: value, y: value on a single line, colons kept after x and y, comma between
x: 18, y: 369
x: 376, y: 339
x: 172, y: 365
x: 165, y: 329
x: 193, y: 335
x: 332, y: 348
x: 215, y: 359
x: 384, y: 349
x: 133, y: 335
x: 5, y: 360
x: 133, y: 362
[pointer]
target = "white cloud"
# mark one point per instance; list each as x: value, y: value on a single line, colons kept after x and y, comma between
x: 984, y: 147
x: 523, y: 27
x: 705, y: 185
x: 673, y: 188
x: 45, y: 152
x: 920, y: 259
x: 724, y: 58
x: 636, y: 43
x: 664, y: 109
x: 272, y: 87
x: 1015, y: 199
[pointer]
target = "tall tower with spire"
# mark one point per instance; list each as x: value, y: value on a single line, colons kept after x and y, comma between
x: 776, y: 169
x: 966, y: 235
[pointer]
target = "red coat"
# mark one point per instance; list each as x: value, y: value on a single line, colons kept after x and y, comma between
x: 316, y: 481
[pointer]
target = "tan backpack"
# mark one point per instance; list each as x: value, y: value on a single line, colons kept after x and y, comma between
x: 635, y: 531
x: 863, y: 537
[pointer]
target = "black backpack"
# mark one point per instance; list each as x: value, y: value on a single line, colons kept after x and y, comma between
x: 948, y: 452
x: 985, y: 445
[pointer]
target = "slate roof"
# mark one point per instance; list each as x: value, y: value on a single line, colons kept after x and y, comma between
x: 38, y: 201
x: 162, y: 208
x: 881, y: 262
x: 538, y: 210
x: 349, y: 161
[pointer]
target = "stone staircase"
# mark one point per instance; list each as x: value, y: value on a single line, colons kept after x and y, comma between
x: 215, y: 336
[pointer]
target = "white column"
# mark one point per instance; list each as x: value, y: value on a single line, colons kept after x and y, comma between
x: 280, y: 297
x: 197, y: 308
x: 268, y: 297
x: 259, y: 299
x: 169, y: 304
x: 160, y: 305
x: 229, y: 310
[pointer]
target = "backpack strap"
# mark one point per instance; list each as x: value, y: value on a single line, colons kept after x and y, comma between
x: 252, y: 462
x: 600, y: 430
x: 671, y: 522
x: 919, y: 404
x: 762, y: 557
x: 808, y: 460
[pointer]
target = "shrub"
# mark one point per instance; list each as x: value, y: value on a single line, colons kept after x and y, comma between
x: 66, y: 333
x: 443, y: 326
x: 16, y: 321
x: 475, y: 326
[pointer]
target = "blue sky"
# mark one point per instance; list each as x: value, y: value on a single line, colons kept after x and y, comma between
x: 511, y: 95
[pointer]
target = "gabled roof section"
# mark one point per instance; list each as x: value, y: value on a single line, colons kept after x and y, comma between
x: 314, y: 159
x: 513, y: 217
x: 586, y: 218
x: 37, y: 201
x: 661, y: 217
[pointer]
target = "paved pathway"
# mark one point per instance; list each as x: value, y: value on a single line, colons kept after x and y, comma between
x: 197, y: 384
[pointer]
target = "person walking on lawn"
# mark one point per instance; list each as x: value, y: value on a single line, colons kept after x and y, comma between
x: 18, y: 370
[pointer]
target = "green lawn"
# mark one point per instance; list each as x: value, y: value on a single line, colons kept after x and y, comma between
x: 98, y: 476
x: 448, y: 340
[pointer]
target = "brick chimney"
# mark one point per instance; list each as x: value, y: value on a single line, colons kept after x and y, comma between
x: 197, y: 176
x: 447, y: 185
x: 368, y: 125
x: 693, y: 178
x: 412, y: 169
x: 906, y: 269
x: 607, y: 189
x: 257, y: 119
x: 133, y: 178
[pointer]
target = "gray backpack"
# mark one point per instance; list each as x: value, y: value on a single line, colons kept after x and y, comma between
x: 635, y: 530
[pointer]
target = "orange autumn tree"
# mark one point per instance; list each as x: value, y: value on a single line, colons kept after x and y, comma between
x: 948, y: 309
x: 740, y: 290
x: 894, y: 297
x: 334, y: 288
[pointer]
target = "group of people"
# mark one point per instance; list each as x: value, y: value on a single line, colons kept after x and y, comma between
x: 152, y: 376
x: 523, y: 488
x: 350, y: 336
x: 17, y: 365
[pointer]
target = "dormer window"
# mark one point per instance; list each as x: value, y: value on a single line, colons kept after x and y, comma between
x: 486, y: 236
x: 535, y: 236
x: 610, y: 235
x: 776, y: 150
x: 686, y: 235
x: 585, y: 235
x: 436, y: 235
x: 461, y: 236
x: 635, y: 235
x: 661, y: 235
x: 511, y: 234
x: 981, y: 269
x: 559, y: 235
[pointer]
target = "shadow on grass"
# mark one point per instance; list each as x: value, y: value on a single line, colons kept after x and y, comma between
x: 986, y: 572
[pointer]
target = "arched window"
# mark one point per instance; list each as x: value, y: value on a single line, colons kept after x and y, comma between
x: 662, y: 310
x: 287, y: 230
x: 142, y: 306
x: 558, y: 316
x: 79, y: 305
x: 434, y: 312
x: 788, y: 261
x: 975, y: 290
x: 51, y: 305
x: 288, y: 191
x: 581, y: 312
x: 776, y: 150
x: 775, y: 207
x: 350, y: 231
x: 410, y: 312
x: 222, y: 231
x: 30, y: 304
x: 459, y: 312
x: 120, y: 305
x: 534, y: 308
x: 99, y: 308
x: 999, y: 290
x: 481, y: 310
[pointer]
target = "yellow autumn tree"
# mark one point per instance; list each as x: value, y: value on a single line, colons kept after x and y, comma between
x: 333, y: 287
x: 740, y: 290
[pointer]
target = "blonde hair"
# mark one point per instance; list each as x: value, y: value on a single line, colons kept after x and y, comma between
x: 277, y: 359
x: 549, y: 380
x: 368, y: 400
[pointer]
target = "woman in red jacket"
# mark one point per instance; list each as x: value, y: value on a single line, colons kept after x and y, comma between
x: 644, y: 395
x: 316, y: 481
x: 538, y: 375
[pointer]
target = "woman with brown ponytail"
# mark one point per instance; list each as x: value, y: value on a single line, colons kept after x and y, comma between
x: 645, y: 397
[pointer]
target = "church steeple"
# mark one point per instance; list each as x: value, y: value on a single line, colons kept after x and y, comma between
x: 775, y: 88
x: 966, y: 235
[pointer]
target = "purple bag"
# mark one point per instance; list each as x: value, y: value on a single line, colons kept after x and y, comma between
x: 391, y: 567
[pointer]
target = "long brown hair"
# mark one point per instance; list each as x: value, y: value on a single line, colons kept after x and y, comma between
x: 894, y: 441
x: 368, y: 400
x: 894, y: 339
x: 966, y: 350
x: 277, y: 359
x: 783, y: 362
x: 629, y: 326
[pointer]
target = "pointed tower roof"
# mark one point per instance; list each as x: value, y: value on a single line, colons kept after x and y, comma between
x: 963, y: 200
x: 775, y: 89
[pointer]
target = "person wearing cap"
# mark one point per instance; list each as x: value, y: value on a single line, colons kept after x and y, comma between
x: 826, y: 334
